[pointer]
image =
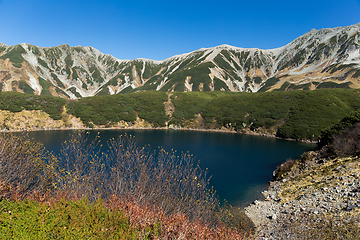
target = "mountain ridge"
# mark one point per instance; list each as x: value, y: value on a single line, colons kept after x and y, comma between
x: 328, y: 57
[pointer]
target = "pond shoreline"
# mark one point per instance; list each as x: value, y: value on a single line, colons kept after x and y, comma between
x: 165, y: 128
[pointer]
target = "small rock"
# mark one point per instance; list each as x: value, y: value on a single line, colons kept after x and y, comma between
x: 272, y: 217
x: 350, y: 208
x: 338, y: 168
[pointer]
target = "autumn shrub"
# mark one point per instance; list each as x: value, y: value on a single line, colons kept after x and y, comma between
x: 283, y: 169
x: 25, y: 166
x: 347, y: 142
x: 155, y: 224
x: 81, y: 170
x: 234, y: 218
x: 173, y: 183
x: 165, y: 195
x: 327, y: 135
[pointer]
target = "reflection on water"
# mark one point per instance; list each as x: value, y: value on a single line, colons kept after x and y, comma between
x: 240, y: 165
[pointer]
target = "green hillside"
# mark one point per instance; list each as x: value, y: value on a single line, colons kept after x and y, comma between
x: 295, y: 114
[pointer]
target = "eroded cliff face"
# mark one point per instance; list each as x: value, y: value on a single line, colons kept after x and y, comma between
x: 36, y: 120
x: 318, y: 59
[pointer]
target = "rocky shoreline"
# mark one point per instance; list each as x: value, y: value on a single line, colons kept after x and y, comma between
x: 316, y: 190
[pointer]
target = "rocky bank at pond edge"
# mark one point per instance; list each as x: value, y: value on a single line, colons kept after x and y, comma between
x: 317, y: 189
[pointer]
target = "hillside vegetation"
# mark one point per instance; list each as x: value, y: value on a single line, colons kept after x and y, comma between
x: 107, y: 110
x: 296, y: 114
x: 300, y: 115
x: 16, y: 102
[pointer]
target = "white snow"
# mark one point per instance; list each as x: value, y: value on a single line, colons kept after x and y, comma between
x: 214, y: 53
x: 275, y: 51
x: 146, y: 60
x: 122, y: 87
x: 29, y: 56
x: 111, y: 91
x: 143, y: 70
x: 175, y: 68
x: 162, y: 83
x: 354, y: 57
x: 63, y: 79
x: 188, y: 85
x: 6, y: 87
x: 33, y: 83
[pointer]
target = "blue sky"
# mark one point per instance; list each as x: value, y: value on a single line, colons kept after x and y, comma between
x: 160, y: 29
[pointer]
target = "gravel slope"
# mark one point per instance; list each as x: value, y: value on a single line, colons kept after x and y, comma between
x: 317, y: 189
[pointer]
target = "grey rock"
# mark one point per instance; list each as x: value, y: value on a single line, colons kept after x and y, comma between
x: 350, y: 207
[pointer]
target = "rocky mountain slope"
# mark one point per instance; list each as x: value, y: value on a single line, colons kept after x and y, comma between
x: 318, y: 59
x: 320, y: 193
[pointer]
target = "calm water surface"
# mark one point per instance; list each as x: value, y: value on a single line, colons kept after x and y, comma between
x: 240, y: 165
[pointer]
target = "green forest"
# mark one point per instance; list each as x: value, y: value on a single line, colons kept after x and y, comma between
x: 300, y: 115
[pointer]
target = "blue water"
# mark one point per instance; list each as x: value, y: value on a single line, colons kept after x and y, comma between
x: 240, y: 165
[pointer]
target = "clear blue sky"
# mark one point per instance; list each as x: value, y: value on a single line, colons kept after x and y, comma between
x: 157, y: 29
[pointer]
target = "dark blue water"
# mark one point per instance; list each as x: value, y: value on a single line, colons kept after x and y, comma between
x: 240, y: 165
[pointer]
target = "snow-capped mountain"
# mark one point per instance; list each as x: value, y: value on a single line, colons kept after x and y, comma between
x: 318, y: 59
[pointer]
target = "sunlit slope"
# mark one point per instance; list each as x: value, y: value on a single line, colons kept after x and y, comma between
x: 294, y: 114
x: 326, y: 58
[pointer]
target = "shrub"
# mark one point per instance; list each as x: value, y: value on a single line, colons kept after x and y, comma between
x: 16, y: 102
x: 73, y: 219
x: 25, y: 166
x: 347, y: 142
x: 283, y: 169
x: 327, y: 136
x: 111, y: 109
x: 172, y: 183
x: 80, y: 172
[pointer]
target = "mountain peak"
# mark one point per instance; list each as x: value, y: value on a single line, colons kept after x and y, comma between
x: 328, y: 57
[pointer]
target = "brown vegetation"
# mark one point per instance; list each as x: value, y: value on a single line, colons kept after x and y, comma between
x: 347, y: 142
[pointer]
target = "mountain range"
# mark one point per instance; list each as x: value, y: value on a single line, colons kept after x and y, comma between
x: 326, y: 58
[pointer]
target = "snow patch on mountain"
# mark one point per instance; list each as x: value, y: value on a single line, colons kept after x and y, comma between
x: 29, y: 56
x: 354, y: 57
x: 238, y: 68
x: 213, y: 54
x: 162, y: 83
x: 33, y: 83
x: 145, y: 60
